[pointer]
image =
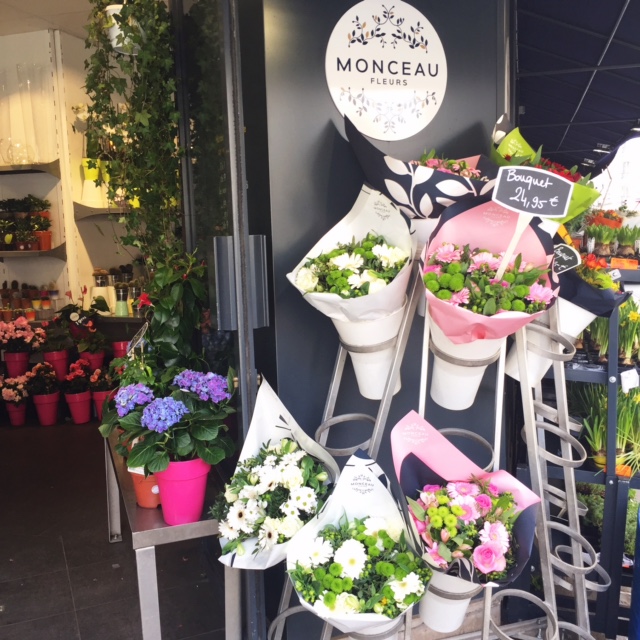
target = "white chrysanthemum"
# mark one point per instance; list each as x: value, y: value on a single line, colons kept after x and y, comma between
x: 270, y: 461
x: 351, y: 261
x: 347, y: 603
x: 291, y: 477
x: 352, y: 556
x: 389, y: 256
x: 267, y: 473
x: 227, y: 531
x: 410, y: 584
x: 253, y: 511
x: 289, y: 508
x: 268, y: 534
x: 294, y: 457
x: 289, y: 526
x: 320, y: 552
x: 249, y: 492
x: 304, y: 498
x: 306, y: 279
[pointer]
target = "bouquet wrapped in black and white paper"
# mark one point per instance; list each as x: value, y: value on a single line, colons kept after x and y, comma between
x: 351, y: 564
x: 282, y: 478
x: 357, y: 275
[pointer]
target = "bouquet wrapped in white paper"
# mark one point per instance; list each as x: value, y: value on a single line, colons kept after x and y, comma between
x: 281, y: 479
x: 357, y: 275
x: 351, y: 565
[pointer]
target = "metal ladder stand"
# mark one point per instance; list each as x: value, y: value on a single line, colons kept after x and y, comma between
x: 555, y: 568
x: 564, y: 565
x: 372, y: 445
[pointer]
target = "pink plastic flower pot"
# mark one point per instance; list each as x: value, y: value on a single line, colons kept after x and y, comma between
x: 98, y: 401
x: 47, y: 408
x: 16, y: 363
x: 59, y: 360
x: 17, y: 414
x: 79, y: 406
x: 96, y: 360
x: 119, y: 349
x: 182, y: 490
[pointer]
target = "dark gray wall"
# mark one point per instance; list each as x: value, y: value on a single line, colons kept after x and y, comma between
x: 314, y: 177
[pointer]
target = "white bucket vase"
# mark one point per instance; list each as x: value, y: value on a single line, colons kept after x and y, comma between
x: 458, y: 368
x: 114, y: 32
x: 388, y: 631
x: 444, y: 606
x: 371, y: 364
x: 572, y: 321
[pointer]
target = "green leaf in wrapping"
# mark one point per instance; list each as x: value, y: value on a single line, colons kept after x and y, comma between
x: 489, y: 307
x: 444, y: 551
x: 418, y: 511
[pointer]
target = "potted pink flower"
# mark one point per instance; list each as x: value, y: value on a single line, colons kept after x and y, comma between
x: 18, y: 339
x: 77, y: 392
x: 15, y: 392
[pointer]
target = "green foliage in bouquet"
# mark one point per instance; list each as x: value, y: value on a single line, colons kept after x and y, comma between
x: 360, y: 566
x: 353, y: 270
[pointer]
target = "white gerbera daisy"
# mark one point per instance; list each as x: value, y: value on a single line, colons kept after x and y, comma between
x: 352, y: 555
x: 351, y: 261
x: 355, y: 281
x: 237, y: 515
x: 304, y: 498
x: 410, y: 584
x: 227, y: 531
x: 320, y: 552
x: 389, y: 256
x: 268, y: 535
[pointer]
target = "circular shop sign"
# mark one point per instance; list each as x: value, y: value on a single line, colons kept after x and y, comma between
x: 386, y: 69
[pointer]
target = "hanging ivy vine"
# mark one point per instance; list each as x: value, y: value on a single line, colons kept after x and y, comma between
x: 133, y: 122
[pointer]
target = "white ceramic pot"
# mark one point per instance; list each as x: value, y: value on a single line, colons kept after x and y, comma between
x: 444, y: 605
x: 455, y: 386
x: 114, y: 32
x: 372, y: 369
x: 392, y: 627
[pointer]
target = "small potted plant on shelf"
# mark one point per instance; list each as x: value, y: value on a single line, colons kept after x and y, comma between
x: 6, y: 234
x: 25, y: 238
x: 39, y: 206
x: 44, y: 388
x: 41, y: 228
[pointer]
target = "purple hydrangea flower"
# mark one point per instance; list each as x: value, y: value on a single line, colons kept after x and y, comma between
x: 209, y: 387
x: 163, y: 413
x: 131, y: 396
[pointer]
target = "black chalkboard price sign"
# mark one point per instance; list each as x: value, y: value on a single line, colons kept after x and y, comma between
x: 532, y: 191
x: 565, y: 258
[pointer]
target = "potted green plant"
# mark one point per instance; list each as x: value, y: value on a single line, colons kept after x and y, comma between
x: 627, y: 238
x: 41, y: 228
x: 56, y: 345
x: 6, y: 234
x: 602, y: 236
x: 35, y: 205
x: 24, y: 235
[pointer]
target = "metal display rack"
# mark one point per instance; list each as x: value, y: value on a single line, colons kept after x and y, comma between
x: 567, y: 565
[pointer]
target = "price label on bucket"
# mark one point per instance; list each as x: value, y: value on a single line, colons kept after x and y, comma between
x: 565, y: 258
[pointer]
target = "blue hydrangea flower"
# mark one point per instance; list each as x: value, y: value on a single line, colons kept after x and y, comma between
x: 163, y: 413
x: 132, y: 396
x: 209, y: 387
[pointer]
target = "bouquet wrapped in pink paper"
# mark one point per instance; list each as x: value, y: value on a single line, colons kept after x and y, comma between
x: 475, y: 526
x: 471, y: 310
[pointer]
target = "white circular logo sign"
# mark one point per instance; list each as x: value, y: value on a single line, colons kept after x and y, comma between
x: 386, y: 69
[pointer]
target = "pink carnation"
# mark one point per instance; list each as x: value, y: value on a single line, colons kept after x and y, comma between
x: 488, y: 558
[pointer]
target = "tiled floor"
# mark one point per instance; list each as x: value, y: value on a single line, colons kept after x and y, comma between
x: 60, y: 579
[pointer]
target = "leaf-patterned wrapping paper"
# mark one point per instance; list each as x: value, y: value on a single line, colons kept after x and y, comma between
x: 419, y: 192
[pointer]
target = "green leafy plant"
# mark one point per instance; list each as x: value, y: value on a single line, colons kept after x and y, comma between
x: 601, y: 233
x: 133, y: 104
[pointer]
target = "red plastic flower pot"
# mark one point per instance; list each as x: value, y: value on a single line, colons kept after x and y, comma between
x: 16, y: 363
x: 59, y: 360
x: 17, y: 414
x: 119, y: 349
x: 146, y: 490
x: 79, y: 406
x: 96, y: 360
x: 98, y: 401
x: 47, y: 408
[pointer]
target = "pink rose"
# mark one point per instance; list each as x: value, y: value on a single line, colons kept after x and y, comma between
x: 484, y: 504
x: 488, y: 558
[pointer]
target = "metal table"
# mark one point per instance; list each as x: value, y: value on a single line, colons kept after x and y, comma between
x: 148, y: 529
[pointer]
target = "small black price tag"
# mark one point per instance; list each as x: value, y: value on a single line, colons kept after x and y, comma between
x: 532, y: 191
x: 565, y: 258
